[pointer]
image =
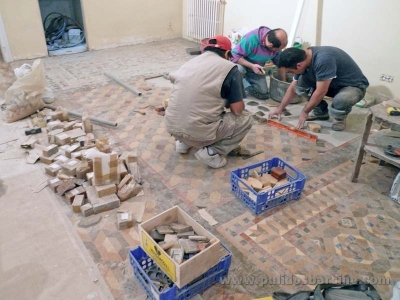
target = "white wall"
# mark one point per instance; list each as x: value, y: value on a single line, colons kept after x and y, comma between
x: 369, y: 30
x: 255, y: 13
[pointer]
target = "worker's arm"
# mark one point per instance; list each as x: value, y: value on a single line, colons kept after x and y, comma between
x: 233, y: 91
x: 237, y: 108
x: 281, y: 71
x: 316, y: 98
x: 289, y: 96
x: 246, y: 47
x: 282, y: 74
x: 255, y: 67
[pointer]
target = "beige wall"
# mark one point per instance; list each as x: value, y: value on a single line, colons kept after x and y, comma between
x: 107, y: 23
x: 369, y: 30
x: 25, y: 34
x: 125, y: 22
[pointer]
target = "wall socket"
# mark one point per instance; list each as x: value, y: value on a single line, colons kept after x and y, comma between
x: 169, y: 24
x: 387, y: 78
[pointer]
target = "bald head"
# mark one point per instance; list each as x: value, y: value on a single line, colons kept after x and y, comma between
x: 276, y: 39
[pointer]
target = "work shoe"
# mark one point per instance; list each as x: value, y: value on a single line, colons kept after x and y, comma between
x: 210, y: 158
x: 339, y: 125
x: 314, y: 116
x: 235, y: 152
x: 181, y: 147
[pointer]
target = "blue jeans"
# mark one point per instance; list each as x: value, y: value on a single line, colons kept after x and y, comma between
x: 253, y: 83
x: 342, y: 102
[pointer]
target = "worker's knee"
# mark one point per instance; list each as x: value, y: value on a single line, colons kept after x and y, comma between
x: 245, y: 122
x: 261, y: 89
x: 347, y: 97
x: 303, y: 91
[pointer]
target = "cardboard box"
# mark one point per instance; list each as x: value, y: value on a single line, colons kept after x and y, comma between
x: 192, y: 268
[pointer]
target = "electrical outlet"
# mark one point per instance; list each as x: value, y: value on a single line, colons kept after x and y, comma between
x: 387, y: 78
x: 169, y: 24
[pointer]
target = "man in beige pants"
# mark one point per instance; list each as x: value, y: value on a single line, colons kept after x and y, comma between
x: 196, y: 116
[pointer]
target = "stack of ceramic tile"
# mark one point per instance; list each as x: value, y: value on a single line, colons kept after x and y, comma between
x: 278, y: 173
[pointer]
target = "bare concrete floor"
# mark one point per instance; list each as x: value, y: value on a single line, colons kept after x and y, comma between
x: 41, y: 256
x: 335, y: 228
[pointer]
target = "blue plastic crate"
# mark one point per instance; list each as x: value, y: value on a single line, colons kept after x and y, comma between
x: 212, y: 276
x: 273, y: 197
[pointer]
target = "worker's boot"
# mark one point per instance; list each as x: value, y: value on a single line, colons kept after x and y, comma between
x: 181, y: 147
x: 211, y: 158
x: 318, y: 114
x: 339, y: 125
x: 339, y: 121
x: 235, y: 152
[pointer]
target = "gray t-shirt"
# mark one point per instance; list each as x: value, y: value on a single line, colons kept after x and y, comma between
x: 333, y: 63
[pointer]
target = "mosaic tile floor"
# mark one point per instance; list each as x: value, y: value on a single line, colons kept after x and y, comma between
x: 336, y: 228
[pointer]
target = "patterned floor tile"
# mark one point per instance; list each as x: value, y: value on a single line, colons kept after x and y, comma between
x: 335, y: 228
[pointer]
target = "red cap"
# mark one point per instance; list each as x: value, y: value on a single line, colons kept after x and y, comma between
x: 222, y: 42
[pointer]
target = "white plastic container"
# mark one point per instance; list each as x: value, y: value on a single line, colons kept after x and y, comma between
x: 74, y: 36
x: 395, y: 191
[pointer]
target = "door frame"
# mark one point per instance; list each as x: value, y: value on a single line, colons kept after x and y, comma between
x: 5, y: 47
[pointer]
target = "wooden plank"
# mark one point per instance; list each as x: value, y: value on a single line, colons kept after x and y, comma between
x: 361, y: 151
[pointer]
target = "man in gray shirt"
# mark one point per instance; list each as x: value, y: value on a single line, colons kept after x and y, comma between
x: 322, y: 71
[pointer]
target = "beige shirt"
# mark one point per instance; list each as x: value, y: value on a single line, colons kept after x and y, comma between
x: 195, y: 107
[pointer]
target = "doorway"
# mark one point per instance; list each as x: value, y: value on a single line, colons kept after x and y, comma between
x: 5, y: 53
x: 63, y: 26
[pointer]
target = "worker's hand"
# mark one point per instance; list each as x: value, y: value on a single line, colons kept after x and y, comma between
x: 258, y: 69
x: 276, y: 112
x: 302, y: 119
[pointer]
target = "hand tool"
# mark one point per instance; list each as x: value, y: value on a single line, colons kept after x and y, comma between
x: 393, y: 111
x: 293, y: 129
x: 245, y: 154
x: 33, y: 131
x: 392, y: 151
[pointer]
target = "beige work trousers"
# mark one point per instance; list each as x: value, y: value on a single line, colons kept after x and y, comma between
x: 230, y: 133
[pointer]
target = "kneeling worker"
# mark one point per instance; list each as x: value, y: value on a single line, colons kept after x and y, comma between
x: 196, y: 116
x: 321, y: 71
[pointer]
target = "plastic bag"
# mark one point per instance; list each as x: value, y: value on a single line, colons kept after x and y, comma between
x: 48, y: 96
x: 24, y: 97
x: 236, y: 35
x: 22, y: 71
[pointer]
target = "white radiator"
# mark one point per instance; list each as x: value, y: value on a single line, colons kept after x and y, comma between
x: 205, y: 18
